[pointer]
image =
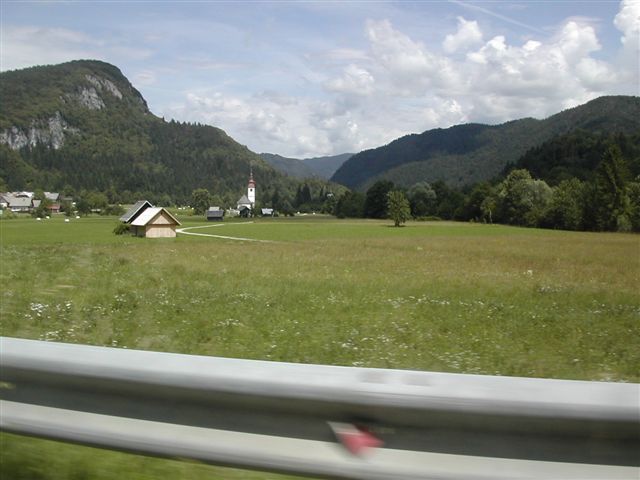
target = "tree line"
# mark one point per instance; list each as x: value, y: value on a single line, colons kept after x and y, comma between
x: 608, y: 201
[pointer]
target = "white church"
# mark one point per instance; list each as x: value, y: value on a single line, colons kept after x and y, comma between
x: 247, y: 202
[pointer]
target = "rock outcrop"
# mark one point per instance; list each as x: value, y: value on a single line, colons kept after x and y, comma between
x: 50, y: 132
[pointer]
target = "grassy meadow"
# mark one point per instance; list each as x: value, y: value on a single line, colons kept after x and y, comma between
x: 440, y: 296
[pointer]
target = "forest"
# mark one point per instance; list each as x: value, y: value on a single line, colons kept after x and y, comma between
x: 580, y: 181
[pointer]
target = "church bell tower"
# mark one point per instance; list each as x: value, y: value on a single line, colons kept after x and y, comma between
x: 251, y: 190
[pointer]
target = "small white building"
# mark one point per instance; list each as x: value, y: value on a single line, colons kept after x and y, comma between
x: 155, y: 222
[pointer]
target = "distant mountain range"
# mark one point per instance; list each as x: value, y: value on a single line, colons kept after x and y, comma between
x: 321, y: 167
x: 466, y: 154
x: 82, y: 125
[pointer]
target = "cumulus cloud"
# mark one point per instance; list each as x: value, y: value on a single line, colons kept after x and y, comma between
x: 468, y: 34
x: 397, y: 85
x: 273, y: 122
x: 355, y: 80
x: 628, y: 22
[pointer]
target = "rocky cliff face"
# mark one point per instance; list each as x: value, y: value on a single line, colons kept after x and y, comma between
x: 50, y: 132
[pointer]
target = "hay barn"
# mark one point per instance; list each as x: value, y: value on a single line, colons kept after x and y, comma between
x: 155, y: 223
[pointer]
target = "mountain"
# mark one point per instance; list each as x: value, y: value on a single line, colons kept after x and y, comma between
x: 577, y: 155
x: 466, y: 154
x: 293, y: 167
x: 82, y: 125
x: 325, y: 167
x: 322, y: 167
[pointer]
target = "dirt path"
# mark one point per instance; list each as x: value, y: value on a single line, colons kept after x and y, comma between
x: 187, y: 231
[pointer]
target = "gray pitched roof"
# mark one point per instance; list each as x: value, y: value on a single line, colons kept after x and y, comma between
x: 135, y: 210
x: 244, y: 200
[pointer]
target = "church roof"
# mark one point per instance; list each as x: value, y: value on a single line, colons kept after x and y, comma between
x: 244, y: 200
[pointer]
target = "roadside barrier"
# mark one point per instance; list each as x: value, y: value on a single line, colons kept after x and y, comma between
x: 319, y: 420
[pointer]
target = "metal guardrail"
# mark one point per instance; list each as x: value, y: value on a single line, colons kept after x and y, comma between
x: 279, y: 416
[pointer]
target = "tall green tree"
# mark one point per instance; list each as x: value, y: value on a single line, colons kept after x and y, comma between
x: 422, y: 199
x: 633, y: 190
x: 398, y: 207
x: 522, y: 200
x: 566, y: 207
x: 611, y: 203
x: 375, y: 205
x: 350, y: 205
x: 200, y: 201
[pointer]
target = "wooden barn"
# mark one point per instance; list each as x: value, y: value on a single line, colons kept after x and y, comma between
x: 155, y: 223
x: 215, y: 214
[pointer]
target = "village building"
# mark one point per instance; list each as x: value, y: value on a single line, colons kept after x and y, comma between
x: 154, y: 222
x: 215, y: 214
x: 54, y: 208
x: 20, y: 204
x: 135, y: 211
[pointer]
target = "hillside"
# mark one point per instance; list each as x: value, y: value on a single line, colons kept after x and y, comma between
x: 293, y: 167
x: 466, y: 154
x: 321, y: 167
x: 577, y: 155
x: 82, y: 125
x: 325, y: 167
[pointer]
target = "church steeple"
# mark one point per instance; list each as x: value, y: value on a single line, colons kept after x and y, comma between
x: 251, y: 189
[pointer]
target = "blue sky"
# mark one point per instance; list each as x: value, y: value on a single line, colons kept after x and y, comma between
x: 318, y: 78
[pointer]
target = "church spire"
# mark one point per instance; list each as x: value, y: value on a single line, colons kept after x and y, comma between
x: 251, y: 188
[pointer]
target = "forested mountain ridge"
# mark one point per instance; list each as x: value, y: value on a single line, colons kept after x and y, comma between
x: 293, y: 167
x: 321, y: 167
x: 466, y: 154
x: 82, y: 125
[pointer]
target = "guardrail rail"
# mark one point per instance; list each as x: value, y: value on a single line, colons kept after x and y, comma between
x: 297, y: 418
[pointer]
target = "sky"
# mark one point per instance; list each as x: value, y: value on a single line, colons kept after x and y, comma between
x: 313, y: 78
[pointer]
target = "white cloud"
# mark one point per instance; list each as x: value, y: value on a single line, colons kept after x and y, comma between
x: 628, y: 22
x: 26, y: 46
x: 468, y: 34
x: 355, y: 80
x: 144, y: 78
x: 398, y: 85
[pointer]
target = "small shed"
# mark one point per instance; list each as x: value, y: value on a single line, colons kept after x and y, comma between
x: 54, y: 208
x: 133, y: 213
x: 245, y: 212
x: 215, y: 214
x: 267, y: 212
x: 155, y: 222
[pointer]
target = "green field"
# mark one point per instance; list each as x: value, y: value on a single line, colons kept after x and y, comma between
x: 440, y: 296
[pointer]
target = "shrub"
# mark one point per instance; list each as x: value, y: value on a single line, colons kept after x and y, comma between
x: 121, y: 228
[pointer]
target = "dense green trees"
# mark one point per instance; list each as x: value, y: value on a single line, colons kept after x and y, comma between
x: 375, y: 204
x: 609, y: 198
x: 200, y: 201
x: 350, y: 205
x: 422, y: 199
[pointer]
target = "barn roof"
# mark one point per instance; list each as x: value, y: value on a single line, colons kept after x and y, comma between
x: 215, y: 212
x: 149, y: 214
x: 20, y: 202
x: 133, y: 211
